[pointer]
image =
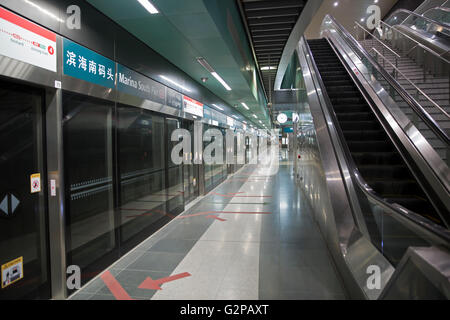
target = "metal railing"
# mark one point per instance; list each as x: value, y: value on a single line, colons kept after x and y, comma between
x: 420, y: 110
x: 418, y: 44
x: 367, y: 32
x: 397, y: 72
x: 413, y: 14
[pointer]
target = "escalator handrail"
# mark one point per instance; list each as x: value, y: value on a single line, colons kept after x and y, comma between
x: 440, y: 9
x: 425, y: 225
x: 410, y: 13
x: 424, y: 115
x: 418, y: 44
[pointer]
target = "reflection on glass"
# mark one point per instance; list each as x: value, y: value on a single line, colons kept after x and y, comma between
x: 141, y: 166
x: 22, y: 214
x: 175, y: 172
x: 89, y: 180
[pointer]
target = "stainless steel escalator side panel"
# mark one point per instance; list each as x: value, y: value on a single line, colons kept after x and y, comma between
x: 327, y: 176
x: 434, y: 169
x: 425, y: 269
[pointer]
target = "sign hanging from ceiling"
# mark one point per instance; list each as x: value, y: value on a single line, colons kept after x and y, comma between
x: 192, y: 106
x: 84, y: 64
x: 25, y: 41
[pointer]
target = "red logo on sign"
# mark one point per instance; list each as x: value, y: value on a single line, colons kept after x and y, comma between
x: 51, y: 50
x: 15, y: 35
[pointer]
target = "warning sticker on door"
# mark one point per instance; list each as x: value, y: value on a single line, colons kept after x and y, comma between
x: 36, y: 183
x: 12, y: 272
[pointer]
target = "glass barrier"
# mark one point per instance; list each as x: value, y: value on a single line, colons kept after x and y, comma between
x: 439, y: 15
x: 419, y: 23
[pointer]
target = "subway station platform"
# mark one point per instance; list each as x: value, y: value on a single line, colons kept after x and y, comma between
x: 251, y: 238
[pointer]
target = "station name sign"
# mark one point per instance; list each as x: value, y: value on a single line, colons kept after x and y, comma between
x: 133, y: 83
x: 82, y: 63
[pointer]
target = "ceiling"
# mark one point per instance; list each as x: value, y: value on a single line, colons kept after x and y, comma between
x: 270, y: 23
x: 183, y: 31
x: 346, y: 13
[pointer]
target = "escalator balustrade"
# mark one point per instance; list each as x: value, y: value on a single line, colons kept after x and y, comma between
x: 374, y: 154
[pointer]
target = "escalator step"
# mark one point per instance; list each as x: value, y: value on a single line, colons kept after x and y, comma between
x: 379, y: 158
x: 362, y: 135
x: 369, y: 146
x: 359, y: 125
x: 351, y: 108
x: 343, y: 88
x: 346, y: 101
x: 375, y: 172
x: 395, y: 188
x: 342, y: 94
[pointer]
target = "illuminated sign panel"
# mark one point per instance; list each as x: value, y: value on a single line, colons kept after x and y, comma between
x: 25, y: 41
x: 192, y: 106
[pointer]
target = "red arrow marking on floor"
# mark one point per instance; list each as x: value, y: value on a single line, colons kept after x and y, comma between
x: 115, y: 287
x: 215, y: 217
x: 151, y: 284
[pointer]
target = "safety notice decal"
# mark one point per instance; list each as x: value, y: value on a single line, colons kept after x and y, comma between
x: 12, y: 272
x: 25, y: 41
x: 35, y: 183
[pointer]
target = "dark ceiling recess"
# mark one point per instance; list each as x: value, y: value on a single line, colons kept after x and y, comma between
x: 269, y: 24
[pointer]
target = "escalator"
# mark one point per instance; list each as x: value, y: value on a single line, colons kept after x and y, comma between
x: 372, y: 151
x: 374, y: 168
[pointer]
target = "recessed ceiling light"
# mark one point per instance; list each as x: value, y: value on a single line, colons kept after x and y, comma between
x: 269, y: 68
x: 215, y: 105
x: 148, y: 6
x: 175, y: 83
x: 245, y: 106
x: 219, y: 78
x: 208, y: 67
x: 254, y: 116
x: 336, y: 4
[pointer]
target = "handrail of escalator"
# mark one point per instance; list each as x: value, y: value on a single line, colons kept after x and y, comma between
x: 438, y: 9
x: 386, y: 60
x: 410, y: 13
x: 437, y: 232
x: 418, y: 44
x: 423, y: 114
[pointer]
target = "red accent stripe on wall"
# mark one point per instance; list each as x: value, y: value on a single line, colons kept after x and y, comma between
x: 30, y: 26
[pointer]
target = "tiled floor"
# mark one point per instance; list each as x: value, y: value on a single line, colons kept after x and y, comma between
x: 252, y: 238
